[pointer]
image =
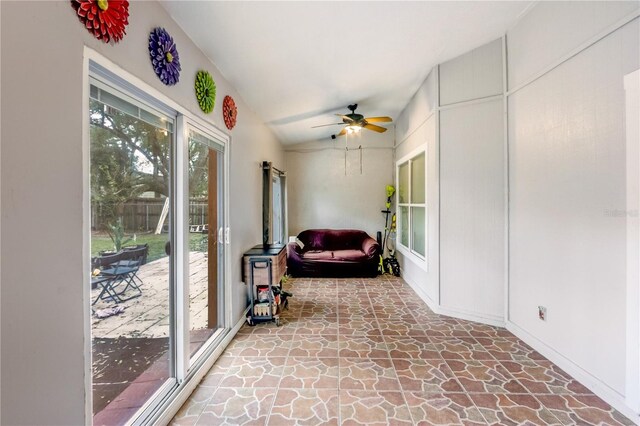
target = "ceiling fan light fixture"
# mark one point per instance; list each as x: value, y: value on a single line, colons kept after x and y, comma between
x: 353, y: 128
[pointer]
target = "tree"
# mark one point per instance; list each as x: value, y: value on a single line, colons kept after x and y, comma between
x: 128, y: 157
x: 131, y: 156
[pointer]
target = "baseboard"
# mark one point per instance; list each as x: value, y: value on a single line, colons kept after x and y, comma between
x: 493, y: 320
x: 172, y: 408
x: 597, y: 386
x: 433, y: 305
x: 452, y: 312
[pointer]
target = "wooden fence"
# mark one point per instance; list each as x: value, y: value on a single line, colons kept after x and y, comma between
x: 142, y: 214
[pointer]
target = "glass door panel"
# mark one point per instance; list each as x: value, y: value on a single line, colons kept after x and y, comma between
x: 131, y: 217
x: 206, y: 239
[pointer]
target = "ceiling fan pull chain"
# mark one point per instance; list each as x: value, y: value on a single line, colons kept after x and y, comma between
x: 346, y: 149
x: 360, y: 148
x: 345, y: 160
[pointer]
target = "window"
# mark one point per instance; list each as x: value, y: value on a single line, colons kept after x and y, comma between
x: 411, y: 201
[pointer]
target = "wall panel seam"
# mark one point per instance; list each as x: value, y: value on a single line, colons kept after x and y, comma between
x: 471, y: 102
x: 505, y: 106
x: 437, y: 141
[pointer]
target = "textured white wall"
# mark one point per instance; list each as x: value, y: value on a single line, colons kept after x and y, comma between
x: 474, y: 75
x: 465, y: 184
x: 320, y: 195
x: 567, y: 171
x: 552, y: 29
x: 413, y: 116
x: 415, y: 127
x: 632, y: 130
x: 472, y: 214
x: 43, y: 361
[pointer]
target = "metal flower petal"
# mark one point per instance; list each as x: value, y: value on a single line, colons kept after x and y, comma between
x: 229, y: 112
x: 205, y: 91
x: 105, y: 19
x: 164, y: 56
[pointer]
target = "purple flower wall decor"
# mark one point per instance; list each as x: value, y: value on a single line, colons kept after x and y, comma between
x: 164, y: 56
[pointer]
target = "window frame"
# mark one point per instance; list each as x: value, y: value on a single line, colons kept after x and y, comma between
x: 407, y: 250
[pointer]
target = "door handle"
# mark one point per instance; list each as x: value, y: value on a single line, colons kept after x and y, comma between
x: 226, y: 235
x: 167, y: 248
x: 220, y: 239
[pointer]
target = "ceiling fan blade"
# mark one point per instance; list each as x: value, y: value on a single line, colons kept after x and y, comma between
x: 378, y: 119
x: 342, y: 132
x: 375, y: 128
x: 324, y: 125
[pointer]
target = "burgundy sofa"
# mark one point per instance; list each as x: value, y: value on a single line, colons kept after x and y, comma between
x: 333, y: 253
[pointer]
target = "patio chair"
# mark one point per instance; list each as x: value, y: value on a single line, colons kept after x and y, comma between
x: 139, y: 246
x: 107, y: 281
x: 115, y: 270
x: 133, y: 258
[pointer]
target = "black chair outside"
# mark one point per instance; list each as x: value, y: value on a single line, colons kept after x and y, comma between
x: 133, y: 258
x: 117, y: 270
x: 139, y: 246
x: 107, y: 291
x: 107, y: 282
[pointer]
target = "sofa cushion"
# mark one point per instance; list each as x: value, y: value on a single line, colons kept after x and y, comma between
x: 318, y: 255
x: 349, y: 255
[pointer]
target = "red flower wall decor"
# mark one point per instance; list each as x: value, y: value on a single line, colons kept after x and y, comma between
x: 229, y: 112
x: 105, y: 19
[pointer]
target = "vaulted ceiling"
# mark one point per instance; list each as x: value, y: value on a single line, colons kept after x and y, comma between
x: 298, y: 63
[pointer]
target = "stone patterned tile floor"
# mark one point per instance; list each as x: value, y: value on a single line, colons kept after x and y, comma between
x: 369, y: 352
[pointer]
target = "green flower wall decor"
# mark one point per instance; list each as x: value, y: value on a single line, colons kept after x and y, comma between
x: 205, y: 91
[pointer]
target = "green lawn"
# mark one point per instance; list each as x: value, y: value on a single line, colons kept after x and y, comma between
x: 102, y: 242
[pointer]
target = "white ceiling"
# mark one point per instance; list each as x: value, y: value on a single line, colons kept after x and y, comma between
x: 297, y: 63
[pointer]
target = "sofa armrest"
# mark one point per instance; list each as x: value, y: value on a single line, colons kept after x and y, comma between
x: 294, y: 251
x: 370, y: 247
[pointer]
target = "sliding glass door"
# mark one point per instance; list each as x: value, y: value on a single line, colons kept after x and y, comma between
x: 158, y: 248
x: 206, y: 236
x: 131, y: 162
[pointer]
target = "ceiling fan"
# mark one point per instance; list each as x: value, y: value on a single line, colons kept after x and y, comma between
x: 355, y: 122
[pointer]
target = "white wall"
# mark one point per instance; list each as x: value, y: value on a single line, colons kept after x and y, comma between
x: 43, y: 310
x: 415, y: 127
x: 464, y: 134
x: 321, y: 195
x: 567, y: 171
x: 475, y: 75
x: 472, y: 214
x: 552, y: 30
x: 632, y: 130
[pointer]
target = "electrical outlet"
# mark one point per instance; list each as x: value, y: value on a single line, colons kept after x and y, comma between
x: 542, y: 313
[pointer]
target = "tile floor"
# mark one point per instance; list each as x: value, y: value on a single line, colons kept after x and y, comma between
x: 368, y: 351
